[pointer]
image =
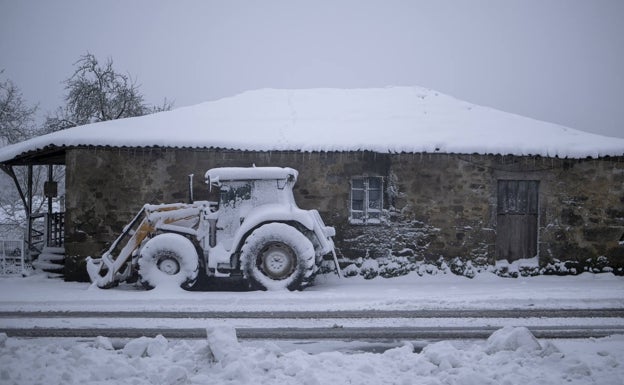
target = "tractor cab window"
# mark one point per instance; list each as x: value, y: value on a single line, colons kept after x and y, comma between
x: 232, y: 193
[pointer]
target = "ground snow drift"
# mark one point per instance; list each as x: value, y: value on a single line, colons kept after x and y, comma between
x: 510, y: 356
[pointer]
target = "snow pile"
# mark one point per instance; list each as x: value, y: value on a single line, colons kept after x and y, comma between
x: 393, y: 119
x: 222, y: 343
x: 512, y: 339
x: 510, y: 356
x: 145, y: 347
x: 396, y: 266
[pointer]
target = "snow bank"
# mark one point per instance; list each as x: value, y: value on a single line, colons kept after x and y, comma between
x: 393, y: 119
x: 67, y: 361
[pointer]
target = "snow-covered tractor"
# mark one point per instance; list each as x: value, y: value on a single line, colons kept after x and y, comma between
x: 255, y: 230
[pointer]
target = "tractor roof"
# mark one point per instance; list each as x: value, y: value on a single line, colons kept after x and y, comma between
x: 216, y: 175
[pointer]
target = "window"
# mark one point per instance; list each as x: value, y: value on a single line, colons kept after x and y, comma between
x: 366, y: 200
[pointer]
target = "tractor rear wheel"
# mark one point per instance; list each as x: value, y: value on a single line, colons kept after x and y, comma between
x: 277, y: 256
x: 168, y: 259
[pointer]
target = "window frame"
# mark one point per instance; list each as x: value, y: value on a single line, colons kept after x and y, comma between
x: 371, y: 211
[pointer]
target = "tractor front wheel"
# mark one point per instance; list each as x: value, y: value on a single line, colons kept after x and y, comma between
x: 168, y: 259
x: 277, y: 256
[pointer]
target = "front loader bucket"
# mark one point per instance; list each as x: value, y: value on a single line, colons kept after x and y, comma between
x: 104, y: 273
x: 107, y: 271
x: 111, y: 268
x: 94, y: 266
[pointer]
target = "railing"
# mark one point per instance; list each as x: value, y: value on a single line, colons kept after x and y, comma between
x: 37, y: 241
x: 11, y: 256
x: 56, y: 230
x: 47, y: 230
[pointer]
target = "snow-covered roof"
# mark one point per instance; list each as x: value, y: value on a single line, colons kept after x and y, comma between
x: 385, y: 120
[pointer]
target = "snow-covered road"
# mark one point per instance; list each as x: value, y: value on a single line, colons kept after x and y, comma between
x: 407, y: 302
x: 411, y: 292
x: 368, y: 324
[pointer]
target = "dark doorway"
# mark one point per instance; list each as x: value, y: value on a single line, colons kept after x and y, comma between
x: 516, y: 220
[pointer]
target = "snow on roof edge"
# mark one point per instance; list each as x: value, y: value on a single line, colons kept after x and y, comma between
x: 389, y: 152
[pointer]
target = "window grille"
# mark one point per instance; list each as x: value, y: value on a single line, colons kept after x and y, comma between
x: 366, y: 200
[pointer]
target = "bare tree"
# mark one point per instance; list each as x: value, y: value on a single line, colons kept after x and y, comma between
x: 16, y: 124
x: 97, y: 93
x: 16, y: 117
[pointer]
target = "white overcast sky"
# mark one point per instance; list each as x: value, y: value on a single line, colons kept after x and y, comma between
x: 556, y: 60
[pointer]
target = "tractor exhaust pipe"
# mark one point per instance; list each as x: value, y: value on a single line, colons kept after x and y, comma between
x: 190, y: 187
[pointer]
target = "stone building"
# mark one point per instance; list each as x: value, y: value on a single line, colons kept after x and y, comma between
x: 405, y: 175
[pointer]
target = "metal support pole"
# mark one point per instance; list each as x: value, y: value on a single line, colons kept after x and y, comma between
x: 49, y: 216
x: 191, y: 197
x: 29, y: 218
x: 22, y: 264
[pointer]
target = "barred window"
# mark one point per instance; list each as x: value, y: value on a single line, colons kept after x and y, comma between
x: 366, y: 200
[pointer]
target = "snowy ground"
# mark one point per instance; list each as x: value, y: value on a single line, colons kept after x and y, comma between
x: 511, y: 355
x: 411, y: 292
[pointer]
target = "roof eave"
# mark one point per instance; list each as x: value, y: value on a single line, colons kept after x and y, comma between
x: 50, y: 155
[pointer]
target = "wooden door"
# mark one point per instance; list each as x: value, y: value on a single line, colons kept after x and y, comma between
x: 516, y: 220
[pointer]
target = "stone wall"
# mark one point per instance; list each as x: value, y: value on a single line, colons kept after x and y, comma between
x: 583, y: 213
x: 436, y: 205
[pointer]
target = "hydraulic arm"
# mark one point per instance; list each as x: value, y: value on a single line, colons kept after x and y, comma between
x: 112, y: 268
